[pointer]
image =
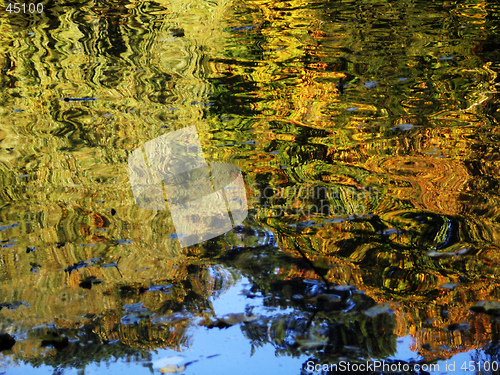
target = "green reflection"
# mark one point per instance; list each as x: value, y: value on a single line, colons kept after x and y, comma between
x: 367, y: 135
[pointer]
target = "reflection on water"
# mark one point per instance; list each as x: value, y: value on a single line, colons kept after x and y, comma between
x: 366, y: 135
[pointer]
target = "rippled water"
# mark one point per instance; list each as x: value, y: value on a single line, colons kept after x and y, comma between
x: 366, y: 133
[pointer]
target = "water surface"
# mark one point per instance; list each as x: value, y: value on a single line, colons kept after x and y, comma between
x: 367, y: 137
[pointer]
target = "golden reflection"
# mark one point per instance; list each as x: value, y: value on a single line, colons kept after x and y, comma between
x: 299, y: 97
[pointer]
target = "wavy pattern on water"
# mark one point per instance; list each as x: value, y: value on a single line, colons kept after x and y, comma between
x: 63, y: 163
x: 363, y: 101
